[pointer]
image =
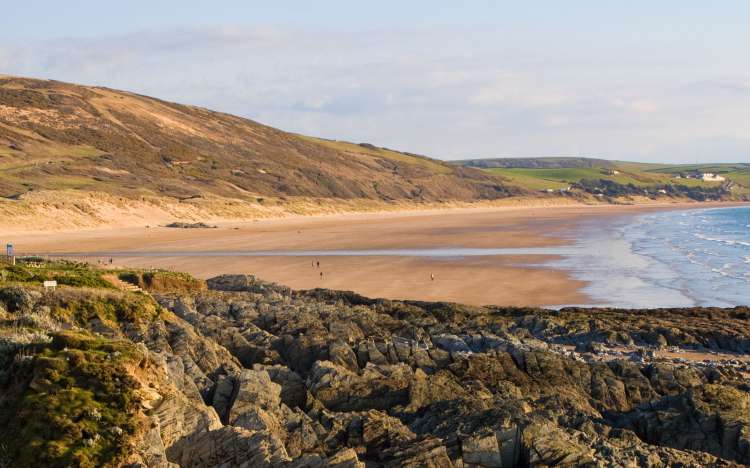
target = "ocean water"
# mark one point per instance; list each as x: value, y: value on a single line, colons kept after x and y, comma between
x: 665, y: 259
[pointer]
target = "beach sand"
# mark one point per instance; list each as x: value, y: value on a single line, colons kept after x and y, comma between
x: 498, y: 280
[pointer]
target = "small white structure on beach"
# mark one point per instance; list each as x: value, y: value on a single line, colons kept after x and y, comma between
x: 50, y: 285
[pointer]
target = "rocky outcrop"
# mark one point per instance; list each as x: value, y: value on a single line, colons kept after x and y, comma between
x: 256, y: 375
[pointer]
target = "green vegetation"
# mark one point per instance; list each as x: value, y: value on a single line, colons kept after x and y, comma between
x: 162, y: 280
x: 107, y: 307
x: 612, y: 189
x: 68, y: 398
x: 36, y: 271
x: 96, y: 143
x: 740, y: 177
x: 371, y: 150
x: 573, y: 175
x: 71, y: 403
x: 621, y: 178
x: 527, y: 181
x: 535, y: 163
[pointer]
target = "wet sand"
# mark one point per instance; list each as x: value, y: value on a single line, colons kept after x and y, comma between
x: 501, y: 280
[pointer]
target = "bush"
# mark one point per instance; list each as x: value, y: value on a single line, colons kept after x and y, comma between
x: 16, y: 299
x: 163, y: 281
x: 83, y: 307
x: 610, y: 188
x: 64, y: 272
x: 78, y: 406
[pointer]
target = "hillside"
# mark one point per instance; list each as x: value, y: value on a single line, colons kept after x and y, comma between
x: 56, y: 136
x: 619, y: 178
x: 534, y: 163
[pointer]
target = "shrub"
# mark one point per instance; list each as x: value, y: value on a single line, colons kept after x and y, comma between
x: 84, y: 306
x: 163, y: 281
x: 78, y: 406
x: 16, y: 299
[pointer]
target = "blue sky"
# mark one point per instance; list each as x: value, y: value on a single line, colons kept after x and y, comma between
x: 637, y: 80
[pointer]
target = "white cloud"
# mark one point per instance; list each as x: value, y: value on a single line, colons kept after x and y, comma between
x: 448, y: 94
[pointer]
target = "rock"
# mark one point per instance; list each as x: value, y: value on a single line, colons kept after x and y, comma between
x: 293, y: 391
x: 345, y: 458
x: 380, y: 431
x: 223, y: 395
x: 427, y: 452
x: 327, y: 378
x: 150, y: 451
x: 425, y: 390
x: 376, y: 387
x: 481, y: 451
x: 341, y: 354
x: 451, y: 343
x: 231, y: 446
x: 590, y: 347
x: 181, y: 421
x: 247, y: 283
x: 546, y: 444
x: 255, y: 390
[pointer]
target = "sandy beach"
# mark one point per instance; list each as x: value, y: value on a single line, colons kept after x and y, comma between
x: 492, y: 279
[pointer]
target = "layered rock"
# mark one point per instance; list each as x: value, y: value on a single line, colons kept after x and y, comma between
x: 253, y: 374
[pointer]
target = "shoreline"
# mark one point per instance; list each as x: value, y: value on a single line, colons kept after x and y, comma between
x: 155, y: 216
x: 524, y: 280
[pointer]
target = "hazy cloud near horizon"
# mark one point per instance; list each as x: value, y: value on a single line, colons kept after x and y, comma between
x: 446, y: 92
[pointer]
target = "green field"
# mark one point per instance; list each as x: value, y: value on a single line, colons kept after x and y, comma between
x: 625, y: 173
x: 540, y: 179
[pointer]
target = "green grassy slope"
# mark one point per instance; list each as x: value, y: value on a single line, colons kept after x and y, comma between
x: 622, y: 172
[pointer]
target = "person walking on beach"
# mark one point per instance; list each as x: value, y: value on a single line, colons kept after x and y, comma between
x: 318, y: 263
x: 432, y: 277
x: 321, y: 275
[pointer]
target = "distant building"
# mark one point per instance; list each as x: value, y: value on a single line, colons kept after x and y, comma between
x: 711, y: 177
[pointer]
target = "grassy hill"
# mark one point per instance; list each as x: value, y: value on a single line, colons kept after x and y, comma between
x: 561, y: 173
x: 56, y: 136
x: 73, y: 156
x: 535, y: 163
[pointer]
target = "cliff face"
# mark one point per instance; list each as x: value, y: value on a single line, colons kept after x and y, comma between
x: 248, y: 373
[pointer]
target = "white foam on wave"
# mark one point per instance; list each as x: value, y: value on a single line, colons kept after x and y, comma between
x: 667, y: 259
x: 721, y: 241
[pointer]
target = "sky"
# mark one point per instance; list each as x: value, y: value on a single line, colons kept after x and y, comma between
x: 665, y: 81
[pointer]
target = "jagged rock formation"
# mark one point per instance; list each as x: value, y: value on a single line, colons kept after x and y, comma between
x: 249, y: 373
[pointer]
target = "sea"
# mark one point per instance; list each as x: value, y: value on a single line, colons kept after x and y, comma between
x: 664, y: 259
x: 679, y: 258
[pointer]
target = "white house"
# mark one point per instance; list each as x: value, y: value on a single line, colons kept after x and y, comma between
x: 711, y: 177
